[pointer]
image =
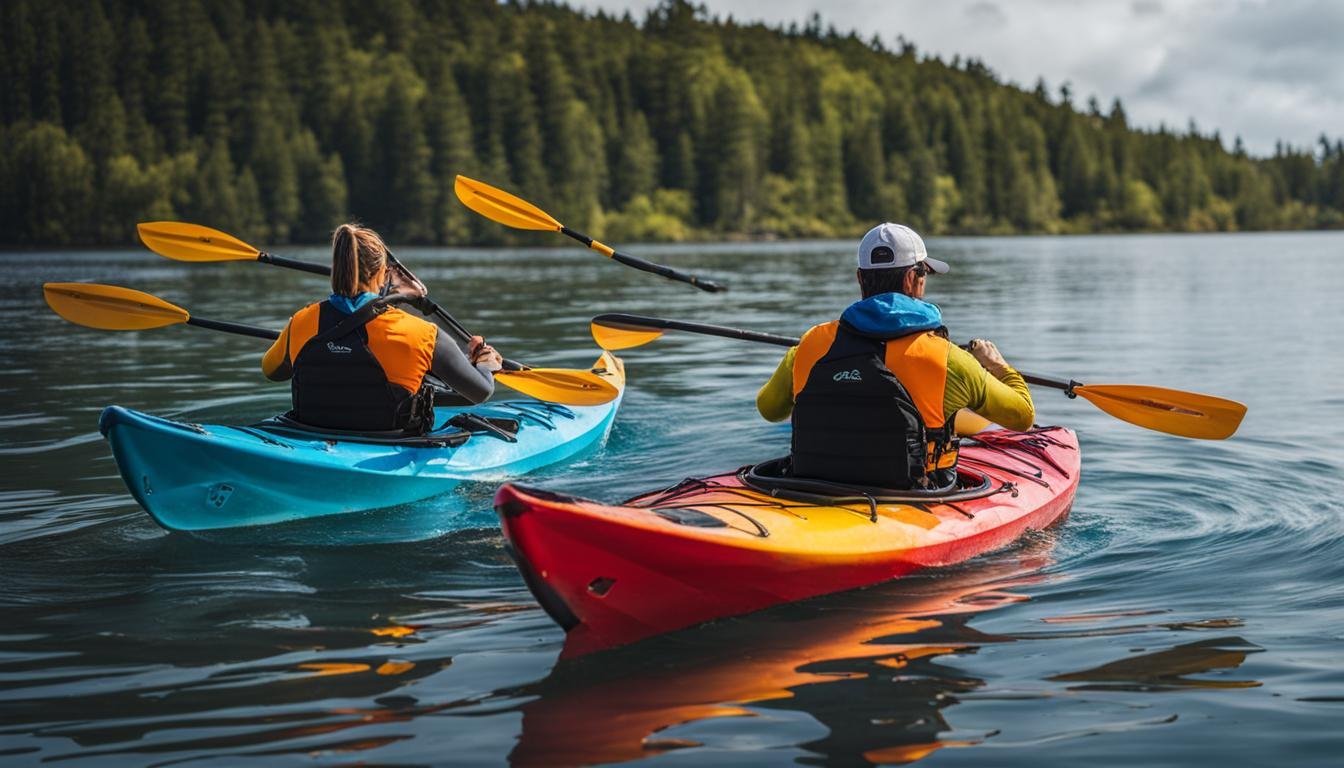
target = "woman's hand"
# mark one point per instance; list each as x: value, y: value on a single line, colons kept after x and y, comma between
x: 481, y: 353
x: 402, y: 282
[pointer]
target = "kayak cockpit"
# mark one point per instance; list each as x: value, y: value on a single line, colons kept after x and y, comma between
x: 451, y: 434
x: 772, y: 477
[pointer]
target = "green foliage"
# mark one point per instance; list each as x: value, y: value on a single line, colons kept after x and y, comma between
x: 130, y: 194
x: 661, y: 217
x: 279, y: 120
x: 636, y: 169
x: 1141, y: 208
x: 48, y: 182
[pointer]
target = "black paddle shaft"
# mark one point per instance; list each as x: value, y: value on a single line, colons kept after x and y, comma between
x: 302, y: 266
x: 638, y: 322
x: 238, y: 328
x: 648, y: 266
x: 446, y: 321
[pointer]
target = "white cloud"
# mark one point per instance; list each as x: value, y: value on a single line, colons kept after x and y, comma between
x: 1262, y: 70
x: 987, y: 14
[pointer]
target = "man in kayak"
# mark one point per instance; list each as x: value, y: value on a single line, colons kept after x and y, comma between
x: 874, y: 395
x: 357, y: 363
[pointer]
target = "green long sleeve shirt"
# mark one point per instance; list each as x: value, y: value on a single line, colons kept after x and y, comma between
x: 1005, y: 401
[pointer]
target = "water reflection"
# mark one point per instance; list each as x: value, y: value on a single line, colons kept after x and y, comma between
x: 880, y: 670
x: 226, y: 652
x: 1167, y: 670
x: 873, y: 666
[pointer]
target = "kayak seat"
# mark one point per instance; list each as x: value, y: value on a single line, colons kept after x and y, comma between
x: 286, y: 425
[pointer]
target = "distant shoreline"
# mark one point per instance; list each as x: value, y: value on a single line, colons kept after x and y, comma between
x: 13, y: 248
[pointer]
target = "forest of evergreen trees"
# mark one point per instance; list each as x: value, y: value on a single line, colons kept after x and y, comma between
x: 276, y: 119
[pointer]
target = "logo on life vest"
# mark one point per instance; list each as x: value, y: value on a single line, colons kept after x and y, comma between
x: 853, y: 375
x: 338, y: 349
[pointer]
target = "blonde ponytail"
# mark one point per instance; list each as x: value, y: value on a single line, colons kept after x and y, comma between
x: 357, y: 255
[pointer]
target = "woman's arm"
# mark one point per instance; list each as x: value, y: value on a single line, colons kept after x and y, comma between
x: 275, y: 364
x: 450, y: 363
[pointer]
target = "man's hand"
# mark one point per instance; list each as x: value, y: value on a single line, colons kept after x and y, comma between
x: 988, y: 355
x: 481, y: 353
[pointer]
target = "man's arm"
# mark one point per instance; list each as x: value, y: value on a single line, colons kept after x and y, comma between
x: 775, y: 400
x: 1000, y: 396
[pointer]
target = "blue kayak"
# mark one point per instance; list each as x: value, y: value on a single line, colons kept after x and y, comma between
x: 198, y: 477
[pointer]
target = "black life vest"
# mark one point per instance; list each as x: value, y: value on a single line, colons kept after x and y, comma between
x: 339, y: 384
x: 854, y: 422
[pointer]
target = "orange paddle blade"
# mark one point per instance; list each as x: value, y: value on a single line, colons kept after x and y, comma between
x: 1187, y: 414
x: 615, y: 336
x: 500, y: 206
x: 560, y: 385
x: 193, y: 242
x: 602, y: 383
x: 110, y: 307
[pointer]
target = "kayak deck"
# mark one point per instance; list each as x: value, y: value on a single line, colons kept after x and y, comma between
x: 205, y: 477
x: 715, y: 547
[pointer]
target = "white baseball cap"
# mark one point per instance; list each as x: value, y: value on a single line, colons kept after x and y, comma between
x: 889, y: 246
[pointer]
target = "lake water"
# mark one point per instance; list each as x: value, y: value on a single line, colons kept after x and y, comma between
x: 1190, y: 611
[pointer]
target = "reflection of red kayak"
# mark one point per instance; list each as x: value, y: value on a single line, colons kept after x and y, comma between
x: 805, y: 658
x: 738, y: 542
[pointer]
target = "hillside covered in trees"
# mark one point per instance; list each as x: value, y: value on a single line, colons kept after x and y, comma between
x: 275, y: 120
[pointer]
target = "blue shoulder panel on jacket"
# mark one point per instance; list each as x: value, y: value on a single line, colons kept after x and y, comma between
x: 349, y: 306
x: 891, y: 315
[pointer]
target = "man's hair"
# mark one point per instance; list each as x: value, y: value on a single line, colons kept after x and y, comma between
x: 875, y: 281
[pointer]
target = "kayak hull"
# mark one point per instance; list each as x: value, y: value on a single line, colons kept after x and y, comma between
x: 197, y: 477
x: 717, y: 547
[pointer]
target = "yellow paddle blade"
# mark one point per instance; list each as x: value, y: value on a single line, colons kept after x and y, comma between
x: 613, y: 337
x: 1188, y: 414
x: 111, y: 308
x: 193, y: 242
x: 561, y: 385
x: 500, y: 206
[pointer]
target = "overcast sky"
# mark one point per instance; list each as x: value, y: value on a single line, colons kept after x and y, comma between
x: 1254, y: 68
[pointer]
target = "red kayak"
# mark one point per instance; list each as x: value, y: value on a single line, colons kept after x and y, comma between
x: 726, y: 545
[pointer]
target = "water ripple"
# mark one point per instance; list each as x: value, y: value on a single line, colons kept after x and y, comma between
x: 1195, y: 588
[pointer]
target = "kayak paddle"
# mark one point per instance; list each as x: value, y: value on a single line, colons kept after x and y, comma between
x: 181, y: 241
x: 512, y: 211
x: 1173, y: 411
x: 112, y: 308
x: 192, y: 242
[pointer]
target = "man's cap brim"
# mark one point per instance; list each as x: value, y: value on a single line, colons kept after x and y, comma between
x: 940, y: 267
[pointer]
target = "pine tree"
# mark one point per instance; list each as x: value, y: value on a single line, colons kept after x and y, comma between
x: 282, y: 118
x: 636, y: 169
x: 448, y: 130
x: 405, y: 210
x: 50, y: 183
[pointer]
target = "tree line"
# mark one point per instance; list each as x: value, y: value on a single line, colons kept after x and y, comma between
x: 277, y: 119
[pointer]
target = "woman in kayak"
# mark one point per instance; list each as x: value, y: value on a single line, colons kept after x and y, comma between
x: 357, y: 363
